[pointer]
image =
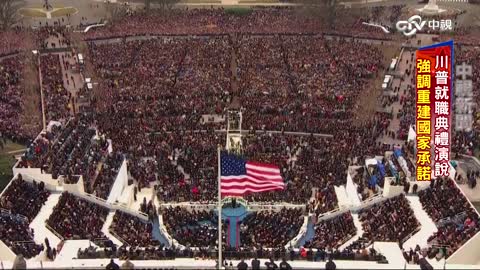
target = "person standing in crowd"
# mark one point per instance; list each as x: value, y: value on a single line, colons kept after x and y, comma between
x: 271, y: 264
x: 255, y: 264
x: 112, y: 265
x: 330, y: 265
x: 242, y: 265
x: 284, y: 265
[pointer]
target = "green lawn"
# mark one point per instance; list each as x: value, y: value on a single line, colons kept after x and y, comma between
x: 7, y: 161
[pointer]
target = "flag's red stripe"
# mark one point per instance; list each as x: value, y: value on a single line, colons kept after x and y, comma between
x: 261, y: 178
x: 255, y: 181
x: 270, y: 166
x: 263, y: 172
x: 267, y: 179
x: 252, y: 180
x: 248, y: 186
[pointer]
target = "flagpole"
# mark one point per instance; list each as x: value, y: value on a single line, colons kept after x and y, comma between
x: 219, y: 206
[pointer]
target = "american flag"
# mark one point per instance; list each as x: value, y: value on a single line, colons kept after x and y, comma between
x: 240, y: 177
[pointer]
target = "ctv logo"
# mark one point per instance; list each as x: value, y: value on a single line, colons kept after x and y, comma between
x: 415, y: 23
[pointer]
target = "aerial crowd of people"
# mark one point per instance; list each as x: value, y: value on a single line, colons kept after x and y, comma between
x: 163, y: 102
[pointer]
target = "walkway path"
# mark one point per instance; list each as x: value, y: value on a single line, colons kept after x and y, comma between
x: 234, y: 216
x: 398, y: 89
x: 38, y: 225
x: 359, y: 234
x: 106, y: 227
x: 72, y: 78
x: 428, y: 226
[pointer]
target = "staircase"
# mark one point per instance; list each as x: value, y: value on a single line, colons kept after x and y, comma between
x: 106, y: 226
x: 428, y: 227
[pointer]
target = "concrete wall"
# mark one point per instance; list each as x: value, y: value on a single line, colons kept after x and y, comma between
x: 163, y: 230
x: 352, y: 191
x: 389, y: 190
x: 468, y: 253
x: 5, y: 253
x: 50, y: 183
x: 77, y: 187
x: 114, y: 206
x: 121, y: 181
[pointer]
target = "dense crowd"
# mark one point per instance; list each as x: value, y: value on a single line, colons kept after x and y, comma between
x: 76, y: 218
x: 456, y: 220
x: 443, y: 199
x: 453, y: 233
x: 170, y: 253
x: 69, y: 147
x: 16, y: 234
x: 270, y: 229
x: 106, y: 177
x: 87, y: 166
x: 308, y: 163
x: 10, y: 97
x: 23, y: 201
x: 298, y: 83
x: 392, y: 220
x: 132, y: 230
x: 153, y: 93
x: 160, y: 84
x: 37, y: 153
x: 12, y: 100
x: 192, y: 229
x: 465, y: 142
x: 220, y: 21
x: 142, y: 79
x: 12, y: 41
x: 185, y: 162
x: 332, y: 233
x: 74, y: 149
x: 24, y: 198
x: 57, y: 98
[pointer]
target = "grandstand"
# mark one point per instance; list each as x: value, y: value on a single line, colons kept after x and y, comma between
x: 125, y: 165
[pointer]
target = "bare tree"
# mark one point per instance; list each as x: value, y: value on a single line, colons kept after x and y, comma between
x: 8, y: 13
x: 115, y: 11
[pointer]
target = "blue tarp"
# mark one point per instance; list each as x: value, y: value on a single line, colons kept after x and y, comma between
x: 393, y: 169
x: 373, y: 181
x: 381, y: 169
